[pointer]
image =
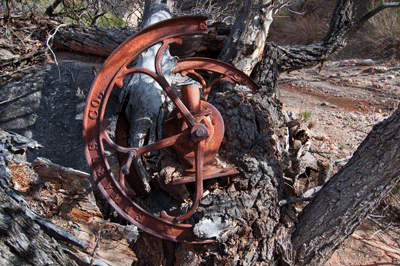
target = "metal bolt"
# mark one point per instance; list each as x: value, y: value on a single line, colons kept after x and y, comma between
x: 200, y: 132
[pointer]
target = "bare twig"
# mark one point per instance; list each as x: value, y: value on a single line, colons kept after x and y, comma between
x: 12, y: 31
x: 292, y: 200
x: 50, y: 37
x: 343, y: 159
x: 311, y: 192
x: 376, y: 245
x: 328, y: 173
x: 100, y: 236
x: 13, y: 72
x: 394, y: 197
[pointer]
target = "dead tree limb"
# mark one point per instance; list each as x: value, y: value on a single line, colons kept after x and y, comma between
x: 342, y: 28
x: 23, y: 242
x: 102, y: 41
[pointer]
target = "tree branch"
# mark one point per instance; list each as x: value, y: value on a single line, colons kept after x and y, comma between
x: 49, y: 11
x: 359, y: 23
x: 94, y: 20
x: 342, y: 28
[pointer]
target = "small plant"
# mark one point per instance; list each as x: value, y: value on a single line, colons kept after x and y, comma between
x: 306, y: 115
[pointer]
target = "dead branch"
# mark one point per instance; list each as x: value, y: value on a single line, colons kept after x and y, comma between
x: 359, y: 23
x: 342, y: 28
x: 376, y: 245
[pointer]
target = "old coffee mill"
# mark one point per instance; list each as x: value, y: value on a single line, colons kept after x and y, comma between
x: 186, y: 140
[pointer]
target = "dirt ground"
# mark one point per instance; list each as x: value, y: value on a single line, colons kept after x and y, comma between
x: 340, y: 103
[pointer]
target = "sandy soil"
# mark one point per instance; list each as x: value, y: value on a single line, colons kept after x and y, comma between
x: 344, y: 100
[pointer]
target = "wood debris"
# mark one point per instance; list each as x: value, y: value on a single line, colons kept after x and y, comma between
x: 21, y: 45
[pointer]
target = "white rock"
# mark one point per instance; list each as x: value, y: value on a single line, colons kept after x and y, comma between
x: 366, y: 62
x: 380, y: 69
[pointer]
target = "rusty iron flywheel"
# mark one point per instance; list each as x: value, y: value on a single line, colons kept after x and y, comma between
x: 194, y: 129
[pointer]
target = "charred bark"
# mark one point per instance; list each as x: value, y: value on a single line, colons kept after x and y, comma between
x: 244, y: 46
x: 359, y: 187
x: 242, y: 213
x: 22, y: 239
x: 103, y: 41
x: 91, y: 40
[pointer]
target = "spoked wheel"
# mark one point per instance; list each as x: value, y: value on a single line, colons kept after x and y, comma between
x: 194, y: 129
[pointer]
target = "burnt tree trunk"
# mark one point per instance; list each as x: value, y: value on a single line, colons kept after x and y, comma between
x: 245, y: 45
x: 22, y: 239
x: 99, y: 41
x: 357, y: 188
x: 244, y: 214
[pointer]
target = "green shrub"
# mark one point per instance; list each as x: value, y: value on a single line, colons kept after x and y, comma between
x: 306, y: 115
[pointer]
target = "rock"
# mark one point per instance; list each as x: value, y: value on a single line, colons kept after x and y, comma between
x: 345, y: 152
x: 377, y: 86
x: 369, y: 70
x: 380, y: 69
x: 346, y: 63
x: 49, y: 109
x: 366, y: 62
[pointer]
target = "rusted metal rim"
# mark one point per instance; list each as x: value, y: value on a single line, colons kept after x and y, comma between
x: 212, y: 65
x: 93, y: 126
x: 190, y: 65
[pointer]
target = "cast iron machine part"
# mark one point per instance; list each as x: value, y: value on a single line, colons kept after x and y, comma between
x: 195, y: 128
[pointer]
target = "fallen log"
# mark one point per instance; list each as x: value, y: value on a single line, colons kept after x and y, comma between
x: 102, y: 41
